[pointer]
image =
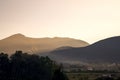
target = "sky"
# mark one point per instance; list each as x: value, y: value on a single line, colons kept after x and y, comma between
x: 88, y: 20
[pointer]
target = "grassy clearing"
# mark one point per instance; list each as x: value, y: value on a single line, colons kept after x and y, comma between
x: 89, y: 76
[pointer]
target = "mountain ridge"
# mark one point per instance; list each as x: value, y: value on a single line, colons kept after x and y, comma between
x: 106, y: 50
x: 27, y: 44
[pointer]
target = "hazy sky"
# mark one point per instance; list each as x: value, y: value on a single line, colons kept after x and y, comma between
x: 89, y: 20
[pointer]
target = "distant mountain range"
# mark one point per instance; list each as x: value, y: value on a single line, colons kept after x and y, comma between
x: 36, y: 45
x: 66, y: 50
x: 104, y: 51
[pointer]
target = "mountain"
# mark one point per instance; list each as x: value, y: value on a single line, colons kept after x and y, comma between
x: 104, y: 51
x: 34, y: 45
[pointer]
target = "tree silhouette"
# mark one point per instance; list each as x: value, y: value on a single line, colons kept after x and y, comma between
x: 23, y: 66
x: 59, y: 75
x: 4, y: 66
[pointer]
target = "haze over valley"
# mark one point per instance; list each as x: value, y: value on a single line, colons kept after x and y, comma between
x: 59, y: 39
x: 65, y: 50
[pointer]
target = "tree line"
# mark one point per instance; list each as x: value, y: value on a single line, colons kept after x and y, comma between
x: 23, y: 66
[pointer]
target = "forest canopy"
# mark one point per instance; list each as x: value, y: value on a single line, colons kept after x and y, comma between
x: 23, y: 66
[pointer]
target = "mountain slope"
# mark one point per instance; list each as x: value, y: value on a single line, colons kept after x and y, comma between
x: 107, y: 51
x: 34, y: 45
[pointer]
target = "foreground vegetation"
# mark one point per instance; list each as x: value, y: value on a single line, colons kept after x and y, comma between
x: 22, y: 66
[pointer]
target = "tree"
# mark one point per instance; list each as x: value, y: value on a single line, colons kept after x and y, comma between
x: 23, y: 66
x: 4, y: 66
x: 59, y: 74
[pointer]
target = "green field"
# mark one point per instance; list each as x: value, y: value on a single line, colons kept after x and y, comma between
x: 89, y: 75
